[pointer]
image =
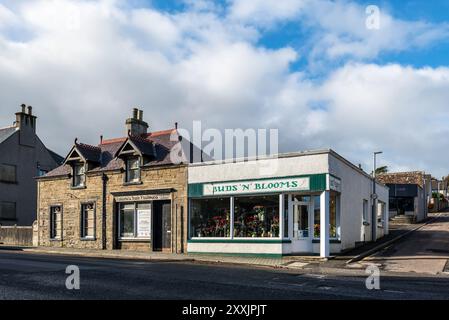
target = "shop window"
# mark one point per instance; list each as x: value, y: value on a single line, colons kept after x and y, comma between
x: 7, y: 210
x: 135, y: 221
x: 56, y: 222
x: 79, y: 176
x: 317, y: 217
x: 210, y: 217
x: 333, y: 208
x: 132, y: 170
x: 88, y: 220
x: 8, y: 173
x: 333, y: 216
x: 285, y: 216
x: 256, y: 217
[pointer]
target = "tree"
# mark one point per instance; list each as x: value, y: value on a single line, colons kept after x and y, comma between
x: 381, y: 170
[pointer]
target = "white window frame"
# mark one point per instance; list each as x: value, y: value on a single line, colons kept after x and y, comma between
x: 135, y: 221
x: 54, y: 232
x: 83, y: 232
x: 81, y: 174
x: 128, y: 169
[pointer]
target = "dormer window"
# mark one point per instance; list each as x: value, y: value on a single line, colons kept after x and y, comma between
x: 132, y: 170
x: 79, y: 175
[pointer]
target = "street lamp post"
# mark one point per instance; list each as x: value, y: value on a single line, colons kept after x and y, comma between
x: 374, y: 198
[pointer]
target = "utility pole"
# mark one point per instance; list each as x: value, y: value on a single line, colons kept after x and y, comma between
x: 374, y: 198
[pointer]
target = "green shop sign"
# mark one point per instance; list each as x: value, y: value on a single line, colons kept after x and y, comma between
x: 272, y: 185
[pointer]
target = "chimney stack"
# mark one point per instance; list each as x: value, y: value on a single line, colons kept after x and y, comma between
x: 26, y: 120
x: 135, y: 125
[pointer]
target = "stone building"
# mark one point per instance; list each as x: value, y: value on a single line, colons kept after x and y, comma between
x: 409, y: 195
x: 23, y: 156
x: 125, y: 193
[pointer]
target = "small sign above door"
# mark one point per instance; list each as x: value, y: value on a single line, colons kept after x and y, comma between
x: 142, y: 197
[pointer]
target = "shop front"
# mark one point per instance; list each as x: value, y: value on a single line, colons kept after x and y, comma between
x: 279, y: 215
x: 144, y: 220
x: 267, y: 216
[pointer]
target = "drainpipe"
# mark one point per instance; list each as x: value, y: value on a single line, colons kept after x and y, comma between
x: 374, y: 199
x: 104, y: 178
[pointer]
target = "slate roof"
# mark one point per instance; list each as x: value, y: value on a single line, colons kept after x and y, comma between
x: 55, y: 156
x: 5, y: 133
x: 88, y: 152
x: 107, y: 150
x: 145, y: 146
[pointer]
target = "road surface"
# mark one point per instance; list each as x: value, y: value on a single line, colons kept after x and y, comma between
x: 38, y: 276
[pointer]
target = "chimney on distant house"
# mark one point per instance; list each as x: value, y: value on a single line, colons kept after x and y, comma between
x: 135, y: 125
x: 26, y: 123
x: 25, y: 120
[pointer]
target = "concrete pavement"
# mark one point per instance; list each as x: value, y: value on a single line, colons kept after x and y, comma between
x: 424, y: 251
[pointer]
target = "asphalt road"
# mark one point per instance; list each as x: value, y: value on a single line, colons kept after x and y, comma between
x: 36, y: 276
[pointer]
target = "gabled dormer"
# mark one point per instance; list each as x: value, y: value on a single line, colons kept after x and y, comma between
x: 135, y: 152
x: 82, y: 158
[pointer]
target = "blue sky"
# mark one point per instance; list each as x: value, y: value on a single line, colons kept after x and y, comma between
x: 309, y: 68
x: 291, y: 33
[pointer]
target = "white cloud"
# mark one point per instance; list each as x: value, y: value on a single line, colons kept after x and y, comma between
x: 7, y: 17
x: 265, y: 12
x: 399, y: 109
x: 342, y: 32
x: 84, y: 79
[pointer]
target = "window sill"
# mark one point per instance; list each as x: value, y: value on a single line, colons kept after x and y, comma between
x: 135, y: 240
x: 88, y: 239
x: 55, y: 239
x: 132, y: 183
x: 78, y: 187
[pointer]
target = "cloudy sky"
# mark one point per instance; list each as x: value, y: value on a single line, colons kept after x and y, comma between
x: 310, y: 68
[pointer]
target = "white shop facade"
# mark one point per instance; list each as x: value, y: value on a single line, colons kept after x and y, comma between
x: 314, y: 203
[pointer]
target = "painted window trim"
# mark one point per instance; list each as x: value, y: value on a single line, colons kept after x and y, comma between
x: 134, y: 238
x: 88, y: 238
x: 61, y: 238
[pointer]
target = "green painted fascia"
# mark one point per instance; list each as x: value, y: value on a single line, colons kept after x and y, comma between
x: 317, y: 183
x: 265, y: 241
x: 246, y: 255
x: 195, y: 190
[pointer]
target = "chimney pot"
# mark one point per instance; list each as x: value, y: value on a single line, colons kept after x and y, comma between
x: 136, y: 126
x: 23, y: 107
x: 30, y: 110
